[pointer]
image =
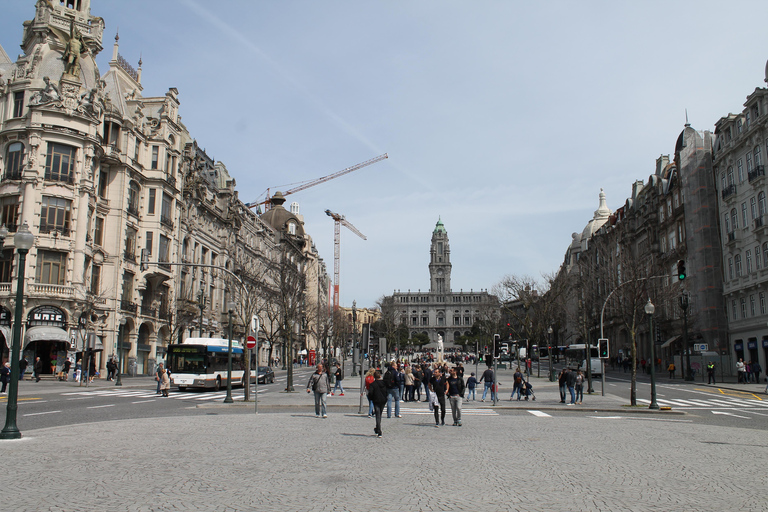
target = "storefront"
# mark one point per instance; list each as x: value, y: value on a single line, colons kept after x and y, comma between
x: 5, y: 334
x: 46, y: 337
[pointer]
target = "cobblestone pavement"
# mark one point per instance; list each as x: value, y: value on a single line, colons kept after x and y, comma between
x: 290, y: 461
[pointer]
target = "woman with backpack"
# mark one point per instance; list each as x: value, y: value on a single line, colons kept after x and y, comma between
x: 369, y: 379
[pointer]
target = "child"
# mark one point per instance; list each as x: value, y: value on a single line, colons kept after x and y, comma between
x: 471, y: 385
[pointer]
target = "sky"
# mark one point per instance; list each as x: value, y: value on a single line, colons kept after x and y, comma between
x: 502, y: 118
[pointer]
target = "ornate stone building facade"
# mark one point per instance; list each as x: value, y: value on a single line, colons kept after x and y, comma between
x: 441, y: 311
x: 119, y: 196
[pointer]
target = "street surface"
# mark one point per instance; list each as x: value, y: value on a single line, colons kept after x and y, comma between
x: 106, y: 448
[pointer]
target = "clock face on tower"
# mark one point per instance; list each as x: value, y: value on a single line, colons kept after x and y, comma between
x: 439, y: 271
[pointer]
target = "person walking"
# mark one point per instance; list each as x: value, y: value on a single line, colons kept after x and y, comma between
x: 426, y: 373
x: 455, y: 394
x: 400, y: 382
x: 65, y: 370
x: 671, y: 370
x: 570, y: 382
x: 5, y: 376
x: 711, y: 373
x: 417, y: 376
x: 321, y: 386
x: 339, y: 374
x: 378, y: 396
x: 740, y: 370
x: 756, y: 371
x: 471, y: 385
x: 518, y: 384
x: 165, y: 381
x: 38, y: 369
x: 579, y: 387
x: 369, y: 379
x: 561, y: 383
x: 393, y: 389
x: 490, y: 380
x: 159, y: 377
x: 438, y: 386
x: 111, y: 367
x: 23, y: 363
x: 409, y: 384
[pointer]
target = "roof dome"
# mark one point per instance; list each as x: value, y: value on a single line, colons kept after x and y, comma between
x: 281, y: 219
x: 439, y: 227
x: 601, y: 217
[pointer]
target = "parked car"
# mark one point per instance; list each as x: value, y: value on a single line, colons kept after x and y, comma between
x: 266, y: 375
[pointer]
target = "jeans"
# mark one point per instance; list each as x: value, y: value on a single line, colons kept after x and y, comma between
x: 320, y: 404
x: 409, y: 392
x: 471, y: 393
x: 417, y: 391
x: 402, y: 391
x: 441, y: 405
x: 370, y: 407
x: 489, y: 385
x: 338, y: 385
x: 456, y: 408
x: 393, y: 395
x: 377, y: 410
x: 517, y: 388
x: 711, y: 378
x: 562, y: 393
x: 573, y: 394
x: 580, y: 393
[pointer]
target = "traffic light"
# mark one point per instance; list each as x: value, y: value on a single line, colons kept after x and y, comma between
x: 603, y: 348
x: 496, y: 345
x: 681, y: 269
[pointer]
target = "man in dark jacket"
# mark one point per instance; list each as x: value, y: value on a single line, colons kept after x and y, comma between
x: 561, y: 383
x: 455, y: 394
x: 393, y: 389
x: 489, y: 379
x: 378, y: 395
x: 38, y: 369
x: 570, y: 382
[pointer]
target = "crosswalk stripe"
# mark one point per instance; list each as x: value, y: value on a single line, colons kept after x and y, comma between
x: 541, y: 414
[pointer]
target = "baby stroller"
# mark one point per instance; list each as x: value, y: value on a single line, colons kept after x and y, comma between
x: 528, y: 391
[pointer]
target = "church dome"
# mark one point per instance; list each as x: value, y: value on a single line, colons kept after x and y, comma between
x: 439, y: 227
x: 601, y: 217
x: 281, y: 219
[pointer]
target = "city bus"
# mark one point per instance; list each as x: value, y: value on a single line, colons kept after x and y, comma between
x: 202, y: 363
x: 575, y: 358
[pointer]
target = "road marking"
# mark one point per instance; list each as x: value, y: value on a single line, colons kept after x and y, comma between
x: 146, y: 401
x: 540, y: 414
x: 100, y: 406
x: 731, y: 414
x: 39, y: 413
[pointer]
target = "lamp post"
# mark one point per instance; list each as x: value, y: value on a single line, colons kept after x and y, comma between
x: 119, y: 381
x: 228, y: 400
x: 23, y: 240
x: 549, y: 352
x: 354, y: 341
x: 684, y: 307
x: 202, y: 308
x: 649, y: 309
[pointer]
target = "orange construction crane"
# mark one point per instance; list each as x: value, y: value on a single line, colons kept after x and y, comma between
x: 318, y: 181
x: 338, y: 221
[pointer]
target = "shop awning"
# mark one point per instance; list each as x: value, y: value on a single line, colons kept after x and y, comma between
x: 45, y: 333
x: 6, y: 334
x: 670, y: 341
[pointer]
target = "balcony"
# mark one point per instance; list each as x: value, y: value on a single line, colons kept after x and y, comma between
x: 166, y: 221
x: 69, y: 179
x: 12, y: 175
x: 52, y: 290
x: 164, y: 314
x: 130, y: 256
x: 55, y: 230
x: 731, y: 238
x: 133, y: 210
x: 126, y: 305
x: 729, y: 191
x: 758, y: 172
x: 171, y: 180
x: 148, y: 311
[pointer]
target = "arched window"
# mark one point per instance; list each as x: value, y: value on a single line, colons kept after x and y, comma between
x: 734, y: 220
x: 761, y: 203
x: 758, y: 157
x: 14, y: 160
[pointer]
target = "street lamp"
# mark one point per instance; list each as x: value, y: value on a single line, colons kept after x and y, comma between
x: 649, y: 309
x: 23, y: 240
x: 202, y: 308
x: 119, y: 381
x: 549, y: 352
x: 228, y: 400
x: 354, y: 341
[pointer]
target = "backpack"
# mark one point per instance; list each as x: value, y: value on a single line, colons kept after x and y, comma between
x: 389, y: 379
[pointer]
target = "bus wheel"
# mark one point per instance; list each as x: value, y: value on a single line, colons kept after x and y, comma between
x: 182, y: 388
x: 217, y: 385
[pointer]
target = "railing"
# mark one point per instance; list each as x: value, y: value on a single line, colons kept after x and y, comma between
x: 52, y: 290
x: 61, y: 178
x: 133, y: 210
x: 5, y: 287
x: 130, y: 255
x: 147, y: 311
x: 171, y: 180
x: 12, y: 175
x: 164, y: 315
x: 759, y: 222
x: 45, y: 228
x: 731, y: 237
x: 729, y: 191
x: 127, y: 305
x: 758, y: 171
x: 166, y: 221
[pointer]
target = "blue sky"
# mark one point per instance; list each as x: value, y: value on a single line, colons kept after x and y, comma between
x: 502, y: 118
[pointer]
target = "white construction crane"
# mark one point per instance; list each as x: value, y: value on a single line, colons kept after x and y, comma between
x: 338, y: 221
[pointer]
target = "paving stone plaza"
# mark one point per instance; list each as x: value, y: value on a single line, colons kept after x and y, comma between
x: 221, y: 458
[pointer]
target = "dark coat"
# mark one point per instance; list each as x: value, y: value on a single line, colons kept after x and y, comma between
x: 377, y: 393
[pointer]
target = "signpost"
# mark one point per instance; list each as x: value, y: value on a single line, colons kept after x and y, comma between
x: 250, y: 343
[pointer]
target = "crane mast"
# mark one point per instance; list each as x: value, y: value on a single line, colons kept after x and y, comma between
x: 339, y: 220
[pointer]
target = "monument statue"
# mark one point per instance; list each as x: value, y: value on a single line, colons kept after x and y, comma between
x: 75, y: 46
x: 439, y: 348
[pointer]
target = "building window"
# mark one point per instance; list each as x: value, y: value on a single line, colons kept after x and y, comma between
x: 152, y: 199
x: 661, y: 214
x: 727, y: 224
x: 51, y: 267
x: 730, y: 175
x: 734, y: 220
x: 136, y: 148
x: 737, y: 264
x: 98, y: 231
x: 752, y: 305
x: 14, y: 160
x: 757, y: 257
x: 761, y: 203
x: 127, y: 295
x: 155, y: 156
x: 149, y: 242
x: 95, y: 279
x: 677, y: 199
x: 111, y: 133
x: 749, y: 261
x: 60, y: 163
x: 130, y: 244
x: 18, y: 104
x: 55, y: 215
x: 730, y: 268
x: 734, y: 311
x: 133, y: 199
x: 9, y: 212
x: 680, y: 233
x: 749, y: 163
x: 744, y: 222
x: 758, y: 157
x: 163, y: 251
x: 753, y: 207
x: 743, y: 302
x: 765, y: 255
x: 762, y: 302
x: 166, y: 215
x: 740, y: 166
x: 103, y: 181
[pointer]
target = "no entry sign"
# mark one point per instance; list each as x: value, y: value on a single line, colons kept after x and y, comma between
x: 250, y: 342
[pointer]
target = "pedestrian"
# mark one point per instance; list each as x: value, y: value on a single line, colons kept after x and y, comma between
x: 111, y: 367
x: 393, y: 389
x: 321, y: 386
x: 159, y: 377
x: 426, y: 377
x: 490, y: 380
x: 748, y: 372
x: 409, y: 384
x: 570, y: 381
x: 471, y: 385
x: 65, y: 369
x: 455, y: 394
x: 756, y: 371
x: 378, y: 396
x: 438, y: 387
x: 92, y: 369
x: 38, y: 369
x: 165, y: 381
x: 400, y: 375
x: 369, y: 378
x: 671, y: 370
x: 579, y: 387
x: 5, y: 376
x: 339, y: 374
x: 23, y: 363
x: 518, y: 384
x: 711, y: 373
x: 417, y: 376
x: 561, y: 383
x: 740, y: 369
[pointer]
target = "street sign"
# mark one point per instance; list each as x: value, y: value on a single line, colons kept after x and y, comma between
x: 250, y: 342
x: 700, y: 347
x: 255, y: 323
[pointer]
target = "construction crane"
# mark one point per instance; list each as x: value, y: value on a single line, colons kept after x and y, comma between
x: 318, y: 181
x: 339, y: 220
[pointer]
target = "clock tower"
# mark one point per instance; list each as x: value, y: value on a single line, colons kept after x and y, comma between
x: 440, y: 261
